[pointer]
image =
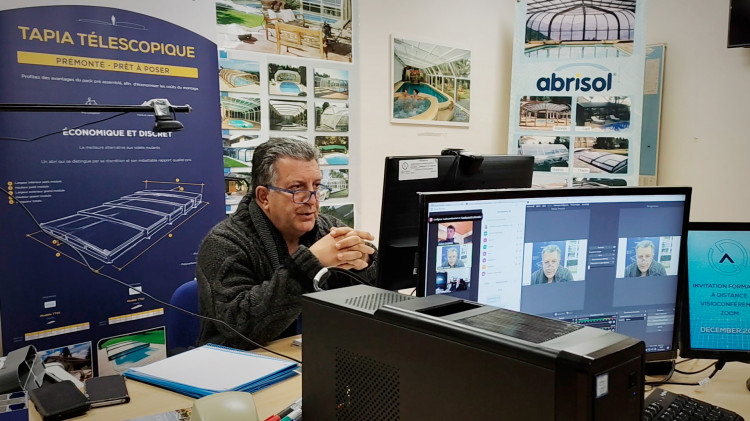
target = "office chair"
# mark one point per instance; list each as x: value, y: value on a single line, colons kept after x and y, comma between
x: 183, y: 329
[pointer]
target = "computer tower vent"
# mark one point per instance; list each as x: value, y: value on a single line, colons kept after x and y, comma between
x: 375, y: 301
x: 530, y: 328
x: 365, y: 389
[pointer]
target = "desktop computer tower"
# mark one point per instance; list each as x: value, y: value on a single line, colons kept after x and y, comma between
x: 373, y: 354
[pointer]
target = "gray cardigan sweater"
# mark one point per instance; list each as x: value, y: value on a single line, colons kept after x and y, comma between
x: 247, y: 278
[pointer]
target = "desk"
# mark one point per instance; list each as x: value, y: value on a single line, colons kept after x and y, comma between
x: 146, y: 399
x: 727, y: 388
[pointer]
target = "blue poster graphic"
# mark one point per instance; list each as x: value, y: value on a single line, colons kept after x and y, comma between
x: 119, y: 209
x: 719, y: 268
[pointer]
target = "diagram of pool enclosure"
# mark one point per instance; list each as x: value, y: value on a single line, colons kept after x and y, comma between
x: 109, y: 230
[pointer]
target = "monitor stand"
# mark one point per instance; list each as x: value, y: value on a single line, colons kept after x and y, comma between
x: 659, y: 368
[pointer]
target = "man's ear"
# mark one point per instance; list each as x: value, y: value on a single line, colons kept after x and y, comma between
x: 261, y: 196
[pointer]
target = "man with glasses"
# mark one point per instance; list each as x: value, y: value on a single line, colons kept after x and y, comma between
x: 254, y: 266
x: 644, y: 264
x: 551, y: 271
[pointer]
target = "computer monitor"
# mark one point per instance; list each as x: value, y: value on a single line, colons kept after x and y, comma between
x: 572, y: 254
x: 407, y: 175
x: 716, y: 319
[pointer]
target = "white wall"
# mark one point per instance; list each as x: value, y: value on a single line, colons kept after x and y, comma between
x: 706, y: 99
x: 486, y: 29
x: 705, y: 107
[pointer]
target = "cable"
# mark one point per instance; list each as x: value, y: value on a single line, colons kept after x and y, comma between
x: 60, y: 131
x: 316, y: 279
x: 454, y: 164
x: 317, y: 283
x: 717, y: 365
x: 698, y: 371
x: 164, y: 303
x: 665, y: 379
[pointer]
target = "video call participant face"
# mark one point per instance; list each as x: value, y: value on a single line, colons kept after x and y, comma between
x: 450, y: 232
x: 644, y: 256
x: 452, y: 257
x: 550, y: 263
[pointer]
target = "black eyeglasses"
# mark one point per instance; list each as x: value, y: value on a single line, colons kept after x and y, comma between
x: 303, y: 196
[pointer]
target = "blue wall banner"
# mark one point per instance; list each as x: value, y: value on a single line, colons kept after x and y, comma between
x: 577, y: 90
x: 653, y: 82
x: 109, y: 195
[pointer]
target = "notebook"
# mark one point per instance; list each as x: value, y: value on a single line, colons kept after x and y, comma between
x: 106, y: 390
x: 212, y: 369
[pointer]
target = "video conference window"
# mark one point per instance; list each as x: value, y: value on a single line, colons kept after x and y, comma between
x: 454, y: 267
x: 647, y: 256
x: 608, y: 261
x: 554, y: 262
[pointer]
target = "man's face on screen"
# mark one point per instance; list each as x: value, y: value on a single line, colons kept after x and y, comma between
x: 644, y: 256
x: 452, y: 257
x: 550, y: 263
x: 450, y: 233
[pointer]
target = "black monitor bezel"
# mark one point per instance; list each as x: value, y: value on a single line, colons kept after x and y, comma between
x: 429, y: 197
x: 686, y: 351
x: 387, y: 243
x: 737, y: 15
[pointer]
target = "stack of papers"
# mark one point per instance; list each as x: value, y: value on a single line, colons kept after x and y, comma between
x: 212, y: 369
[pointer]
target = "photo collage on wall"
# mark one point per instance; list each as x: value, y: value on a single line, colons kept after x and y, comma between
x: 285, y: 70
x: 572, y: 108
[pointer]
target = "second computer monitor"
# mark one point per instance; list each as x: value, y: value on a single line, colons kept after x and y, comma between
x: 407, y: 175
x: 603, y: 257
x: 716, y: 322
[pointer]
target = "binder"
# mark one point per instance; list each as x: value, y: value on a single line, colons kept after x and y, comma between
x: 212, y: 369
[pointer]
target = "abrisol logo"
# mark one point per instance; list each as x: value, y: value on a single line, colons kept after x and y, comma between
x: 577, y: 83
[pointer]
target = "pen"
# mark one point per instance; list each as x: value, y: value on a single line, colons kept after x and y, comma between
x: 294, y: 415
x: 284, y: 412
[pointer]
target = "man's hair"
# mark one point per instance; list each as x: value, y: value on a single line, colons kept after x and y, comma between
x: 267, y: 153
x: 644, y: 244
x: 552, y: 248
x: 451, y: 250
x: 450, y: 227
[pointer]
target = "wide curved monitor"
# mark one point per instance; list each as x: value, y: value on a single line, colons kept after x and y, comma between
x: 605, y: 257
x: 406, y: 175
x: 716, y: 323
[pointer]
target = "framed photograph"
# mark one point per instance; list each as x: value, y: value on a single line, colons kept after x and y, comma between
x: 287, y: 115
x: 287, y: 80
x: 334, y: 150
x: 331, y: 83
x: 241, y: 76
x: 331, y: 117
x: 431, y: 83
x: 239, y: 112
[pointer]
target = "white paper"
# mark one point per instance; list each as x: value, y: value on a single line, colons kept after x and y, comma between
x: 214, y: 368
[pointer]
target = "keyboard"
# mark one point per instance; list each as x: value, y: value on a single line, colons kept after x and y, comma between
x: 665, y: 405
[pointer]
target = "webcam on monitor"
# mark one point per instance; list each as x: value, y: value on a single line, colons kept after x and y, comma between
x: 468, y: 162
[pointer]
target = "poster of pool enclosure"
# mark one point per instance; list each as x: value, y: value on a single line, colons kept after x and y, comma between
x: 573, y: 29
x: 431, y: 83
